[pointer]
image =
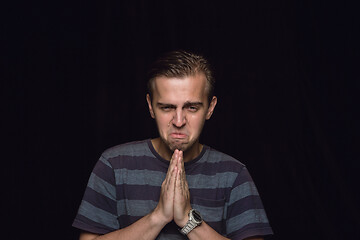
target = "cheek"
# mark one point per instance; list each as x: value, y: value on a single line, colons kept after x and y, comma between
x: 163, y: 120
x: 196, y: 121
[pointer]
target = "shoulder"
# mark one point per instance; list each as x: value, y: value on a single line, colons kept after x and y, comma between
x: 134, y: 149
x: 214, y: 156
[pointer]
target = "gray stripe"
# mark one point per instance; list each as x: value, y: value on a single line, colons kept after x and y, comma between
x: 219, y: 180
x: 244, y: 190
x: 105, y: 161
x: 135, y: 208
x: 247, y: 217
x: 139, y: 177
x: 210, y: 214
x: 98, y: 215
x: 155, y: 178
x: 130, y: 149
x: 102, y: 187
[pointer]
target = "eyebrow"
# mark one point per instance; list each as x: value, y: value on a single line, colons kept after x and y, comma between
x: 186, y: 104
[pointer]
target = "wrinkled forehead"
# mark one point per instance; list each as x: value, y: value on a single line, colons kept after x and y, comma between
x: 192, y: 88
x: 197, y: 79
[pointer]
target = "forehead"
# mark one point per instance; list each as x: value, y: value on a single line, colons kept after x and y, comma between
x: 189, y: 88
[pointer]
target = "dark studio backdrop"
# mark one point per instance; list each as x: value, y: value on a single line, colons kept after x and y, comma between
x: 73, y: 84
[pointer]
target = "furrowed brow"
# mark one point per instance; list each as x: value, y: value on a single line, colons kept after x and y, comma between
x: 159, y: 104
x: 198, y: 104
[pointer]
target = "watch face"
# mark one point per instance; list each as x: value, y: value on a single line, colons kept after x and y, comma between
x: 197, y: 216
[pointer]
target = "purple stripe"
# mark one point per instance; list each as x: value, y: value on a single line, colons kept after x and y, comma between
x: 244, y: 176
x: 244, y: 204
x: 138, y: 163
x: 146, y: 192
x: 88, y: 225
x: 250, y: 230
x: 104, y: 172
x: 100, y: 201
x: 137, y: 192
x: 209, y: 193
x: 207, y: 168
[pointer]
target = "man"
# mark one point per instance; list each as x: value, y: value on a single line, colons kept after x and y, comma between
x: 172, y: 187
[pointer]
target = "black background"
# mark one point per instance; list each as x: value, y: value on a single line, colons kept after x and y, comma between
x: 287, y: 80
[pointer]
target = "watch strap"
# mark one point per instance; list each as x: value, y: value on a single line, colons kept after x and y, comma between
x: 191, y: 223
x: 188, y: 227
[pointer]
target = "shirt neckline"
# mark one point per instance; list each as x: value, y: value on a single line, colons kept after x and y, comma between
x: 187, y: 164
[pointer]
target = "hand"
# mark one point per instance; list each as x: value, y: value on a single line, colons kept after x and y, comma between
x: 182, y: 205
x: 165, y: 207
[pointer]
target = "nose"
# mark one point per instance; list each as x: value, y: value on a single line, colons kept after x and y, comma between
x: 179, y: 118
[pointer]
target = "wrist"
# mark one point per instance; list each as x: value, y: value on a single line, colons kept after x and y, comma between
x: 158, y: 219
x: 181, y: 222
x: 194, y: 220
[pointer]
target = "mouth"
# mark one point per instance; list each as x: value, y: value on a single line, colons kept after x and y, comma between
x: 178, y: 135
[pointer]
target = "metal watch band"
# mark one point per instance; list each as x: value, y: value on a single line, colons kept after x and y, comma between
x: 193, y: 222
x: 188, y: 227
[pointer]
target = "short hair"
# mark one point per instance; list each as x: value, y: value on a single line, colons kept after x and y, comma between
x: 181, y: 64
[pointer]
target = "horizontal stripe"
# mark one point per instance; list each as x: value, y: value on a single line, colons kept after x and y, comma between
x: 250, y: 230
x: 139, y: 163
x: 102, y: 187
x: 135, y: 207
x: 155, y: 178
x: 146, y: 192
x: 105, y: 161
x: 219, y: 180
x: 214, y: 156
x: 154, y: 164
x: 244, y: 190
x: 98, y: 215
x: 211, y: 214
x: 138, y: 192
x: 88, y: 225
x: 243, y: 205
x: 247, y: 217
x: 208, y: 202
x: 104, y: 171
x: 137, y: 148
x: 139, y: 177
x: 100, y: 201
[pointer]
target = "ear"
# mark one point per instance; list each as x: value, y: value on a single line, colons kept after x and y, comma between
x: 211, y: 107
x: 150, y: 106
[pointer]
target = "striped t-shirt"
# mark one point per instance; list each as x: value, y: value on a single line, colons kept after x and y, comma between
x: 126, y: 181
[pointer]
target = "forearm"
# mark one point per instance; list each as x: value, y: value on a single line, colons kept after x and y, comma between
x: 204, y: 231
x: 146, y: 228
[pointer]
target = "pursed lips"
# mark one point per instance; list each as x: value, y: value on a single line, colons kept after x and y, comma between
x: 178, y: 135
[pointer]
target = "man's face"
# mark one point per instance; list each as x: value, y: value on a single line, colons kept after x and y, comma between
x: 180, y: 108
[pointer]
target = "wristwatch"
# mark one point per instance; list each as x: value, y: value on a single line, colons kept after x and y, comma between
x: 195, y: 220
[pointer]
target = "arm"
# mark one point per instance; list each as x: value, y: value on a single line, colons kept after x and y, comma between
x: 149, y: 226
x: 204, y: 231
x: 182, y: 208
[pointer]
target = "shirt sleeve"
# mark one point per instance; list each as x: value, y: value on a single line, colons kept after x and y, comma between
x: 246, y: 216
x: 98, y: 211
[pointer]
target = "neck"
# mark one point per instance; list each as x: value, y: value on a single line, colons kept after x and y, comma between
x: 163, y: 150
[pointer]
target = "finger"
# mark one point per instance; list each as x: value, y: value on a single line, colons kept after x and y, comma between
x: 173, y: 163
x: 182, y: 166
x: 172, y: 179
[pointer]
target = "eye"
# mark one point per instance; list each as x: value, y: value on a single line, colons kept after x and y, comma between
x: 166, y: 108
x: 193, y: 108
